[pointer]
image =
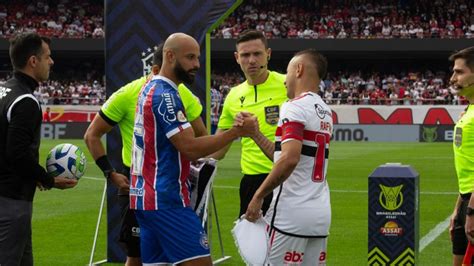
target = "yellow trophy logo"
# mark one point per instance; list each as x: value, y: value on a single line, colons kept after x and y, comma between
x: 391, y: 198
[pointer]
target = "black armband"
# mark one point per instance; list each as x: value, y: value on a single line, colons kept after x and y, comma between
x: 104, y: 164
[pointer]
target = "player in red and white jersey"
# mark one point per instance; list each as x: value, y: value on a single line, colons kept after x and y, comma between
x: 300, y: 213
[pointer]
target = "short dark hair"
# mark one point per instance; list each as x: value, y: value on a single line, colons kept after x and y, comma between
x: 320, y: 62
x: 249, y: 35
x: 23, y: 46
x: 467, y: 54
x: 158, y: 55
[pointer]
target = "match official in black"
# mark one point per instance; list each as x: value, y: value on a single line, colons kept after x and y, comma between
x: 20, y: 125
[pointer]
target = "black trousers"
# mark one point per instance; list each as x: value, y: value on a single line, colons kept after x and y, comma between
x: 248, y: 186
x: 15, y: 232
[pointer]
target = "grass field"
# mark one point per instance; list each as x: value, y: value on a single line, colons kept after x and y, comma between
x: 64, y: 221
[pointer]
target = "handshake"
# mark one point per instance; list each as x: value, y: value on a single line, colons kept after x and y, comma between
x: 246, y: 125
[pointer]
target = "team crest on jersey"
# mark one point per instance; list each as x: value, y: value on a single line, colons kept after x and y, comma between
x: 4, y: 91
x: 272, y: 114
x: 181, y: 116
x: 147, y: 59
x: 204, y: 241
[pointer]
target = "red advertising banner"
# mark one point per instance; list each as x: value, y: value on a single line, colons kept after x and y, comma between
x: 72, y: 113
x: 396, y: 115
x: 342, y: 114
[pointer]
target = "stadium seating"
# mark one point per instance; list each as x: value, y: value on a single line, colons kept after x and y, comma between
x: 58, y: 19
x: 401, y: 88
x: 306, y: 19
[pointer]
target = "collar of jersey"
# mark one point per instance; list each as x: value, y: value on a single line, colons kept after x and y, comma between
x: 269, y: 78
x: 165, y: 79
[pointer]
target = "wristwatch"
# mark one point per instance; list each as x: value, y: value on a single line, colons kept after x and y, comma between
x: 469, y: 211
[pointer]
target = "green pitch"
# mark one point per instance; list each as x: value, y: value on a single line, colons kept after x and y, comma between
x: 64, y: 221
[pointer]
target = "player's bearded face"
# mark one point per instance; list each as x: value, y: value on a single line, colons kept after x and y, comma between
x: 186, y: 76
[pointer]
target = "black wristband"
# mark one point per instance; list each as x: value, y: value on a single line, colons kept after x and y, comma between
x: 104, y: 164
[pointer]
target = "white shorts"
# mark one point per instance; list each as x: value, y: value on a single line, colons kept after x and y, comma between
x: 290, y: 250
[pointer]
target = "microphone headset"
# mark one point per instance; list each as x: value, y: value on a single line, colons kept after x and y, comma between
x: 468, y: 86
x: 262, y: 66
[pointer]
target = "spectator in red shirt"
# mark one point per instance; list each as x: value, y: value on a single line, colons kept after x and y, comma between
x: 47, y: 115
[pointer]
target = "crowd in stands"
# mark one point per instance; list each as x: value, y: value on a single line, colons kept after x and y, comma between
x: 64, y: 92
x: 413, y: 88
x: 357, y: 19
x: 53, y: 18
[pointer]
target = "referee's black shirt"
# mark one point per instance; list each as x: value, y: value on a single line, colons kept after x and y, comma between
x: 20, y: 126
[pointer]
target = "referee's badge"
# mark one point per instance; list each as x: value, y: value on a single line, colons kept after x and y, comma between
x: 458, y: 137
x: 272, y: 114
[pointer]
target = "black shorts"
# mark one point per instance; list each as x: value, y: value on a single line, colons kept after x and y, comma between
x: 248, y: 186
x: 129, y: 231
x: 459, y: 233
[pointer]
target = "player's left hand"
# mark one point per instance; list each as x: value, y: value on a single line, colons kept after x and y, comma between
x: 470, y: 228
x: 254, y: 210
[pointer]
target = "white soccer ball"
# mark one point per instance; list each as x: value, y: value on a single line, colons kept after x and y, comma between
x: 66, y: 160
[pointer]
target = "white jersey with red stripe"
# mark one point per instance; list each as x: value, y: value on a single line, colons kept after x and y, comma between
x: 301, y: 204
x: 159, y: 172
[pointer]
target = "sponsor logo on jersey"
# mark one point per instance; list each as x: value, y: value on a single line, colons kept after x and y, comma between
x: 136, y: 192
x: 391, y: 198
x: 322, y: 256
x: 136, y: 231
x: 293, y: 256
x: 242, y: 99
x: 321, y: 112
x: 166, y: 108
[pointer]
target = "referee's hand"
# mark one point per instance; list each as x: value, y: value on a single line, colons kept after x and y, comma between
x: 120, y: 181
x: 469, y: 227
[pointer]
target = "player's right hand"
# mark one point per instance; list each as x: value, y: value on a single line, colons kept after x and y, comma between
x: 254, y: 210
x: 120, y: 181
x: 64, y: 183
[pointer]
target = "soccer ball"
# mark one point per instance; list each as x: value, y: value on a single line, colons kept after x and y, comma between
x: 66, y: 160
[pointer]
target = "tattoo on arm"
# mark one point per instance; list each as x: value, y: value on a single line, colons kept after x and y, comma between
x: 267, y: 146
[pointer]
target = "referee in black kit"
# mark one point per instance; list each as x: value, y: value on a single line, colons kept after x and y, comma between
x: 20, y: 125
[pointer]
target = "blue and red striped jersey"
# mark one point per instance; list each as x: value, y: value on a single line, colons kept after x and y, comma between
x: 159, y: 172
